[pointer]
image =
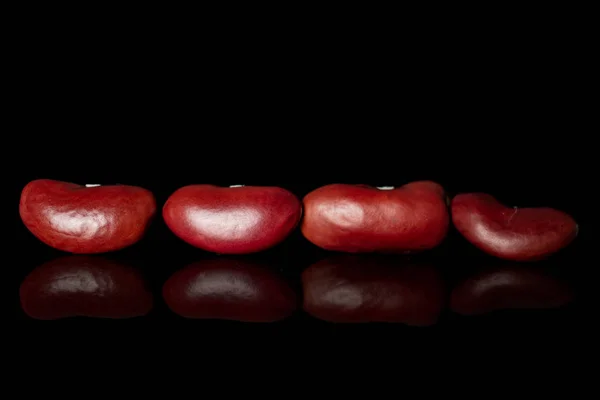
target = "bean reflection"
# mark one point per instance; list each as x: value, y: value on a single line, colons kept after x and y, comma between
x: 84, y: 286
x: 513, y: 286
x: 373, y: 289
x: 230, y: 289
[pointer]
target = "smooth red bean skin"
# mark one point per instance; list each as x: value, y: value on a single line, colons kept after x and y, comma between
x: 363, y: 219
x: 229, y: 289
x: 86, y: 220
x: 517, y: 234
x: 511, y: 287
x: 237, y: 220
x: 359, y: 289
x: 84, y: 286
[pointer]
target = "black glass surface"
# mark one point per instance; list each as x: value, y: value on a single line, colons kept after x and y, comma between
x: 160, y: 253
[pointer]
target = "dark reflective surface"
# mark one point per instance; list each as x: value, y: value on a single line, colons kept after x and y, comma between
x: 311, y: 290
x: 85, y: 286
x: 229, y: 288
x: 160, y: 254
x: 511, y: 286
x: 355, y: 289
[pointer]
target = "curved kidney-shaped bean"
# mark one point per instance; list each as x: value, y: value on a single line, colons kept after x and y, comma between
x: 518, y: 234
x: 232, y: 220
x: 362, y: 219
x: 84, y: 286
x: 86, y: 220
x: 509, y: 287
x: 371, y: 289
x: 229, y: 289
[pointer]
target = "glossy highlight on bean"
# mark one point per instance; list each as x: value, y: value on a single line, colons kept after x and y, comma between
x: 86, y: 220
x: 364, y: 219
x: 361, y: 289
x: 232, y: 220
x: 230, y: 289
x: 517, y: 234
x: 85, y: 286
x: 509, y: 287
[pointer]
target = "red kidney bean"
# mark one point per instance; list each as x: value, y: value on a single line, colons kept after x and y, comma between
x: 363, y: 219
x: 518, y: 234
x: 232, y: 220
x: 86, y: 220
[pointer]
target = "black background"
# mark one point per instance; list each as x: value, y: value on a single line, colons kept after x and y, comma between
x: 521, y: 140
x: 505, y: 113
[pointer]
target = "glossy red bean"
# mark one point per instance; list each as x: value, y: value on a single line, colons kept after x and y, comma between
x: 360, y: 219
x: 510, y: 287
x: 229, y: 289
x: 367, y: 289
x: 84, y: 286
x: 86, y: 220
x: 518, y: 234
x: 232, y: 220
